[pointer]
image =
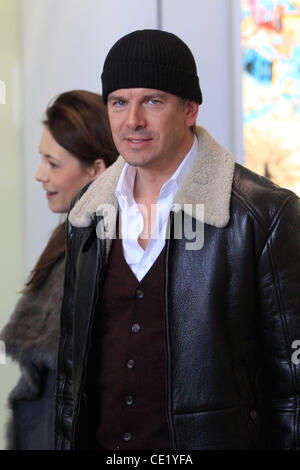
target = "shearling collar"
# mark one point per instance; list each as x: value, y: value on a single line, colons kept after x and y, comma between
x: 209, y: 183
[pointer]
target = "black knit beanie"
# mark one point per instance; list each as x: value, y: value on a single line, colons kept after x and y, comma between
x: 151, y: 58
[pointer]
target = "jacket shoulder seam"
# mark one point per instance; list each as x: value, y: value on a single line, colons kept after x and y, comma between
x: 250, y: 208
x: 276, y: 218
x: 267, y: 230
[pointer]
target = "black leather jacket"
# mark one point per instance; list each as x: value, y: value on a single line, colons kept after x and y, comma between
x: 232, y: 313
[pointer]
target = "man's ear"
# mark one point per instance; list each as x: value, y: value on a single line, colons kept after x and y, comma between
x: 96, y: 168
x: 192, y: 108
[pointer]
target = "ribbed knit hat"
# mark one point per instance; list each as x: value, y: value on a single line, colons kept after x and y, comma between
x: 151, y: 58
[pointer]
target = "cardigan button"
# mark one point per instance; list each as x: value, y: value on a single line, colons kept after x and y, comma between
x: 253, y: 415
x: 129, y: 400
x: 127, y: 436
x: 139, y: 294
x: 130, y: 364
x: 135, y: 328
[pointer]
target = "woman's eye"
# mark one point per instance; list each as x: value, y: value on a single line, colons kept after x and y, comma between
x: 53, y: 165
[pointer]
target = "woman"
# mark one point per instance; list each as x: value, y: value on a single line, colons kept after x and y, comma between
x: 76, y: 146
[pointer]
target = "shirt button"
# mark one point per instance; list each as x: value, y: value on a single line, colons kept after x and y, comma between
x: 135, y: 328
x: 130, y: 364
x: 127, y: 436
x: 139, y: 294
x: 129, y: 400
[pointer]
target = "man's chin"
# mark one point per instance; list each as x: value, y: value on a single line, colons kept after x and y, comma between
x: 137, y: 162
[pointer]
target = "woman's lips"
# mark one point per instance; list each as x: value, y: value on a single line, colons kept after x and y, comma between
x: 50, y: 194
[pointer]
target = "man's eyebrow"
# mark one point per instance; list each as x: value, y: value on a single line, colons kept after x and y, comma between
x: 116, y: 97
x: 154, y: 95
x: 161, y: 95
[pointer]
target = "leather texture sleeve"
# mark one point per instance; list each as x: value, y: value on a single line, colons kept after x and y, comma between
x: 64, y: 383
x: 279, y: 305
x: 64, y: 398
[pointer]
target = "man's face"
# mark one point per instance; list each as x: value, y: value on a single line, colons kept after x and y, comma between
x: 150, y: 127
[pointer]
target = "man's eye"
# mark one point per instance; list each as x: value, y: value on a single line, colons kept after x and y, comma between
x: 154, y: 101
x: 53, y: 165
x: 119, y: 103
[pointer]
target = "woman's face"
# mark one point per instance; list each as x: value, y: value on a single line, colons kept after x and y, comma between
x: 60, y: 173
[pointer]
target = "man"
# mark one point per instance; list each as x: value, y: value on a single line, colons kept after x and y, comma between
x: 181, y: 305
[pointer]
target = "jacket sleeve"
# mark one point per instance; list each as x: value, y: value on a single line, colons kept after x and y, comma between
x: 279, y: 287
x: 63, y: 395
x: 64, y: 382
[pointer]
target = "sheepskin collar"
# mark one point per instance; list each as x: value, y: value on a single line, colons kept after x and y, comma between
x: 32, y: 333
x: 209, y: 183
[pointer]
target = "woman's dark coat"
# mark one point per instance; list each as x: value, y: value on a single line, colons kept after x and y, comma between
x: 31, y: 338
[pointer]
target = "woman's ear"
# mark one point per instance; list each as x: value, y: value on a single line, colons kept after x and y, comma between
x: 96, y: 168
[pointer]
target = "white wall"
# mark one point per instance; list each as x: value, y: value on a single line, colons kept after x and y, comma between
x: 11, y: 248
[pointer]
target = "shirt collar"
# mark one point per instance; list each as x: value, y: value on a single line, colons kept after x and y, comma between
x: 179, y: 175
x: 124, y: 190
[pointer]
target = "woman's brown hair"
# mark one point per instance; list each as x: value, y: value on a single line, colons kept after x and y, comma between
x: 78, y: 121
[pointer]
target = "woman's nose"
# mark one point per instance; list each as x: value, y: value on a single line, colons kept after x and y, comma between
x: 41, y: 174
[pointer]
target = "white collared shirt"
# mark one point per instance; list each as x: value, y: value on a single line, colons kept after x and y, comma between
x: 132, y: 224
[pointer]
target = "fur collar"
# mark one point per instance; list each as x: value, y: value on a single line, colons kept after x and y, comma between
x: 209, y: 182
x: 31, y: 336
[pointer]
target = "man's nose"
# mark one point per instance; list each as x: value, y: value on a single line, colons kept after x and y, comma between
x: 41, y: 174
x: 135, y: 118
